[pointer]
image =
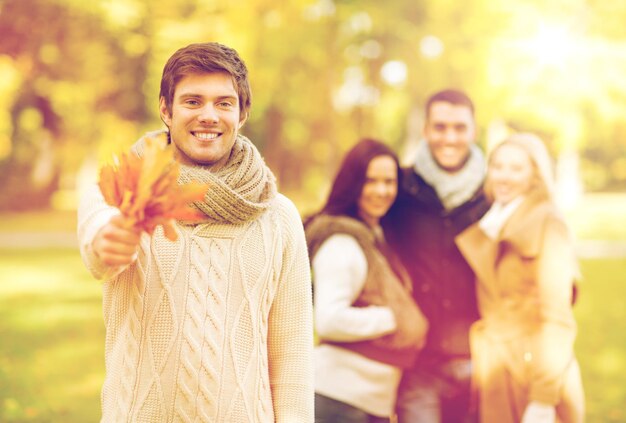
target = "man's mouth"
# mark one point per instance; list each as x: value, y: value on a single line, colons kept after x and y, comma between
x: 449, y: 151
x: 206, y: 135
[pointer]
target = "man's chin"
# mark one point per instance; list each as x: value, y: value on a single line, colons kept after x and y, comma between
x: 450, y: 164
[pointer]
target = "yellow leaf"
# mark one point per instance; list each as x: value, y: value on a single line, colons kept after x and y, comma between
x: 146, y: 189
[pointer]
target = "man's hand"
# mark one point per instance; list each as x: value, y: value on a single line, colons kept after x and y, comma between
x: 116, y: 242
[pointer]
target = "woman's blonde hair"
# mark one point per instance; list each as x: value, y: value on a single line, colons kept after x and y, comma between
x: 539, y: 157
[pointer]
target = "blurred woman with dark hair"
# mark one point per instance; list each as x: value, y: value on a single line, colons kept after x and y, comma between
x: 368, y: 325
x: 523, y: 256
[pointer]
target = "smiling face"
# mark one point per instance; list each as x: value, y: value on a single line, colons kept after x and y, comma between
x: 449, y: 131
x: 511, y: 173
x: 379, y: 190
x: 204, y: 119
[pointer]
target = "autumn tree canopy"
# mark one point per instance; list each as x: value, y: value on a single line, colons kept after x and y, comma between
x: 79, y: 80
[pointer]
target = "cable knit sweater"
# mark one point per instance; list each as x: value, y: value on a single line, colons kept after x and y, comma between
x: 214, y: 327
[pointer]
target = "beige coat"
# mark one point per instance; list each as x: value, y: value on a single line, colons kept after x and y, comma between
x: 522, y: 346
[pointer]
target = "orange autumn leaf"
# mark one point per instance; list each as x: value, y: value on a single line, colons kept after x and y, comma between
x: 146, y: 190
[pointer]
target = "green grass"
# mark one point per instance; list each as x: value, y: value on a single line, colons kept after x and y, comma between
x: 51, y: 354
x: 52, y: 358
x: 39, y: 221
x: 599, y: 216
x: 601, y: 344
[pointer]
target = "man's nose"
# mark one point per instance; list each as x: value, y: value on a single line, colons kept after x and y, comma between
x: 208, y: 114
x: 450, y: 135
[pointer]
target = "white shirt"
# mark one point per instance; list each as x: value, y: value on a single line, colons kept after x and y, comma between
x: 339, y: 273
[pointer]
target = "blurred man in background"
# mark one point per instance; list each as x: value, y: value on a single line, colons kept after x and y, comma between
x: 441, y: 195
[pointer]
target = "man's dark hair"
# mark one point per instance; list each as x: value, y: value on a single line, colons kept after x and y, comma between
x: 452, y: 96
x: 201, y: 58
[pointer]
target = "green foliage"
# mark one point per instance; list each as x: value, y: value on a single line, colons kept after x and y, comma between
x: 79, y: 82
x: 73, y: 73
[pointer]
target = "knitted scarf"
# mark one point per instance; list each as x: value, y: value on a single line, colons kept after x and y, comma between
x: 453, y: 189
x: 239, y: 191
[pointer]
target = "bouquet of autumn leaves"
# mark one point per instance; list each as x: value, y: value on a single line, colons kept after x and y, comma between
x: 146, y: 190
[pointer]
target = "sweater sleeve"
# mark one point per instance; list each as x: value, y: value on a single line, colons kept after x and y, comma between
x: 93, y: 214
x: 290, y: 337
x: 340, y: 270
x: 553, y: 343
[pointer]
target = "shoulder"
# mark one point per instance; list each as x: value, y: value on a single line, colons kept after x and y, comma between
x: 285, y: 218
x: 416, y: 192
x: 284, y: 206
x: 411, y: 183
x: 283, y: 212
x: 340, y: 243
x: 538, y: 216
x: 474, y: 208
x: 340, y: 248
x: 530, y: 225
x: 323, y: 227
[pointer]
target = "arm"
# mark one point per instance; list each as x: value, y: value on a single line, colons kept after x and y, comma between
x: 290, y: 337
x: 107, y: 241
x: 553, y: 343
x: 339, y: 270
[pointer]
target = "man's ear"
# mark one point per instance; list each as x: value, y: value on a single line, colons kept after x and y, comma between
x: 166, y: 116
x: 242, y: 120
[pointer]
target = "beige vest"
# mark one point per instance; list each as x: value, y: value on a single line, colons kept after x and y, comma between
x: 384, y: 286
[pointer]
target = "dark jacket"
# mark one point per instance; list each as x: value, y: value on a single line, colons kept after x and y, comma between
x: 422, y: 233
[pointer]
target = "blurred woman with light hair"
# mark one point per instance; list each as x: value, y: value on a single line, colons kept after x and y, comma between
x: 522, y: 254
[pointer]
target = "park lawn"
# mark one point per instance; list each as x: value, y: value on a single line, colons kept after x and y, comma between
x: 599, y: 216
x: 38, y: 221
x: 601, y: 343
x: 51, y: 357
x: 51, y: 354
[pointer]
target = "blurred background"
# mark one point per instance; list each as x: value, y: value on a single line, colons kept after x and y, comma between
x: 79, y: 83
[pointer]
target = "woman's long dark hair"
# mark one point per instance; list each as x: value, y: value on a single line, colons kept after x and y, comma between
x: 348, y: 184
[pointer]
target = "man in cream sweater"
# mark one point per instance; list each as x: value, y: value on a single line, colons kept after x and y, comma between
x: 217, y: 325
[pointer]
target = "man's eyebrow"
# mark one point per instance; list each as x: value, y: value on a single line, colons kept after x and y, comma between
x: 196, y: 95
x: 190, y: 94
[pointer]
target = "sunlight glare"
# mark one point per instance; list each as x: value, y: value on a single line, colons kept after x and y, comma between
x: 552, y: 45
x: 394, y: 72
